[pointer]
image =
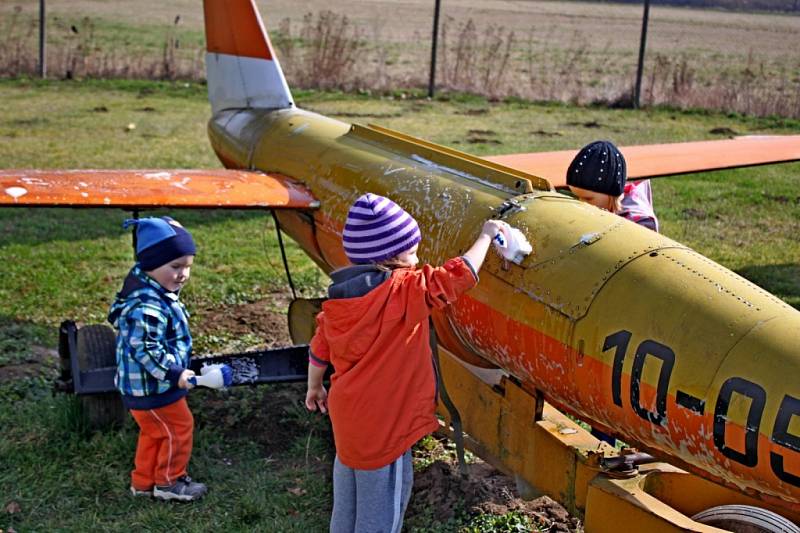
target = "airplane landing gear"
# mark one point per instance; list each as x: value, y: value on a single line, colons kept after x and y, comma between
x: 94, y: 347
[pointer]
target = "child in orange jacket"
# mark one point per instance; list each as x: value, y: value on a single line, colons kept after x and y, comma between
x: 375, y: 331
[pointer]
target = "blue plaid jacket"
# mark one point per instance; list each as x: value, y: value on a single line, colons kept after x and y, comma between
x: 153, y: 342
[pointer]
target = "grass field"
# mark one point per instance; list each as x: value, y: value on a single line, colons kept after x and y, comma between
x: 559, y: 50
x: 265, y: 459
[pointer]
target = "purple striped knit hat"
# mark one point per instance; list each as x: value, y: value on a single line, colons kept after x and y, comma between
x: 378, y: 229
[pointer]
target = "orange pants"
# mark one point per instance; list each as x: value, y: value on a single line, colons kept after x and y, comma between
x: 164, y: 446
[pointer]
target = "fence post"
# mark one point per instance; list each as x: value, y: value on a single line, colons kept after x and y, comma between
x: 432, y: 80
x: 42, y: 40
x: 642, y: 43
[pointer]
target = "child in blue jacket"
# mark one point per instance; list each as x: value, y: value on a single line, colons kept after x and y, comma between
x: 153, y: 351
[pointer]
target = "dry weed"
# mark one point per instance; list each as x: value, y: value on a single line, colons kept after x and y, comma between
x: 324, y: 54
x: 78, y: 53
x: 674, y: 82
x: 474, y: 60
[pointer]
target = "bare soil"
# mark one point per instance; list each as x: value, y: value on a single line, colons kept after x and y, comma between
x: 40, y: 362
x: 270, y: 416
x: 258, y: 318
x: 485, y: 490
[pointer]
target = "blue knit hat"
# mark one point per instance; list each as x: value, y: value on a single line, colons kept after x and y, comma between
x: 598, y: 167
x: 159, y: 241
x: 378, y: 229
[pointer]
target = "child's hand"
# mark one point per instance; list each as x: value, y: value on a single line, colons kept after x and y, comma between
x: 317, y: 397
x: 477, y: 252
x: 183, y: 381
x: 493, y: 227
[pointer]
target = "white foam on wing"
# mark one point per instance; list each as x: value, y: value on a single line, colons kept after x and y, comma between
x: 16, y: 192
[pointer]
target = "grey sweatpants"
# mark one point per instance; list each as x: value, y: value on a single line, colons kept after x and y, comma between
x: 371, y: 501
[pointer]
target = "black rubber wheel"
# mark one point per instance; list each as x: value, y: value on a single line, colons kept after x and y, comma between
x: 745, y: 519
x: 96, y: 348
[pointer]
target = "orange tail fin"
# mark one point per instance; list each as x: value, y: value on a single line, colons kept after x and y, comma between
x: 241, y: 67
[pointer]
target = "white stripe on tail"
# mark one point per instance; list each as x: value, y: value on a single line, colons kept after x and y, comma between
x: 241, y: 68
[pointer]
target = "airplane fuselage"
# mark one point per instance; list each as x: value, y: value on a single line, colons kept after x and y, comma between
x: 616, y: 324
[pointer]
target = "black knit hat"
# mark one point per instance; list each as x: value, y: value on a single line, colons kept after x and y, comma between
x: 598, y: 167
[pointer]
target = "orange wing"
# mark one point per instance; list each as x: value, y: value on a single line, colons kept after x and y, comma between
x: 233, y: 189
x: 654, y: 160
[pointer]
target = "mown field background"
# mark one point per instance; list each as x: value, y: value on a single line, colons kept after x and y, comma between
x: 266, y: 460
x: 539, y: 50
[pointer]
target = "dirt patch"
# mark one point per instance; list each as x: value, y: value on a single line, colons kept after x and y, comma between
x: 40, y: 362
x: 781, y: 199
x: 272, y: 416
x: 723, y: 131
x: 258, y: 318
x: 589, y: 124
x: 368, y: 115
x: 20, y: 371
x: 543, y: 133
x: 481, y: 140
x: 698, y: 214
x: 473, y: 112
x: 486, y: 490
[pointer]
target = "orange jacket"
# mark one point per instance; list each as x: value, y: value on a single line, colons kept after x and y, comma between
x: 383, y: 392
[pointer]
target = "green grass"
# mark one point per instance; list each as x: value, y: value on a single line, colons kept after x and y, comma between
x: 63, y: 479
x: 58, y: 264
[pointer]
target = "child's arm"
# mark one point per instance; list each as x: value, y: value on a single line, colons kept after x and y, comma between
x: 316, y: 396
x: 477, y: 253
x: 441, y: 286
x: 318, y: 357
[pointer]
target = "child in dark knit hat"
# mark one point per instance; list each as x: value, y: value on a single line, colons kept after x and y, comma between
x: 598, y: 174
x: 374, y: 329
x: 153, y: 351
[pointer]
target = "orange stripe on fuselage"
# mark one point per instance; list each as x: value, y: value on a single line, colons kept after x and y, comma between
x: 234, y: 27
x: 581, y: 384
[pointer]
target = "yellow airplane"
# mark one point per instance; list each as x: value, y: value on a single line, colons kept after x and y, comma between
x: 617, y: 325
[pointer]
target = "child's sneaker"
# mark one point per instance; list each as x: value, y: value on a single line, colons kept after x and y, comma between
x: 136, y: 492
x: 183, y: 490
